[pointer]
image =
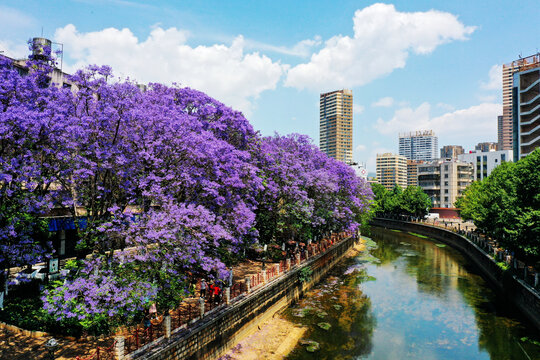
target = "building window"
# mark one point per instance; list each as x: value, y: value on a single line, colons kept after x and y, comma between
x: 446, y: 183
x: 503, y: 157
x: 446, y: 176
x: 446, y: 191
x: 485, y: 158
x: 446, y: 198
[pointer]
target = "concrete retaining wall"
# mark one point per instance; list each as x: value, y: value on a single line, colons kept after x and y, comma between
x: 520, y: 293
x: 220, y: 330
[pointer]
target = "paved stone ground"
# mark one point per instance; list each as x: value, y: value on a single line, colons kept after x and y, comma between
x: 19, y: 347
x: 16, y: 346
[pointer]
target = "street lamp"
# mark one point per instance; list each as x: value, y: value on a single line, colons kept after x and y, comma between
x: 264, y: 257
x: 51, y: 345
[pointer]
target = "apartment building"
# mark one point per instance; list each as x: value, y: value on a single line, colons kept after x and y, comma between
x: 485, y: 161
x: 419, y: 145
x: 526, y: 107
x: 444, y: 180
x: 391, y: 170
x: 336, y: 124
x: 451, y: 151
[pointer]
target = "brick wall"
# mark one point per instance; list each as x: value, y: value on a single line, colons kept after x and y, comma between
x: 221, y: 329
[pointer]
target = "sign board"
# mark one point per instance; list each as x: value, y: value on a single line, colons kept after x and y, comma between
x: 53, y: 265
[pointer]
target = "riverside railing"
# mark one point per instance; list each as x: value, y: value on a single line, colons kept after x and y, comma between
x: 193, y: 309
x: 490, y: 246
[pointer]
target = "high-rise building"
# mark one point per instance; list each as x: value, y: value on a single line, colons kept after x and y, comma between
x: 391, y: 170
x: 444, y: 180
x: 504, y: 130
x: 485, y: 161
x: 507, y: 132
x: 412, y: 172
x: 419, y: 145
x: 336, y: 124
x: 451, y: 151
x: 499, y: 131
x: 526, y: 106
x: 486, y: 146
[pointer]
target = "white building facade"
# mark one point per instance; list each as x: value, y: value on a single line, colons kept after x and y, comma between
x: 485, y: 161
x: 419, y: 145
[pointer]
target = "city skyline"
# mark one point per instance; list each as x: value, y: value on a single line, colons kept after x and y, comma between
x: 445, y: 75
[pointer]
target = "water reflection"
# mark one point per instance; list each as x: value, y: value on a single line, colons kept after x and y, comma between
x: 340, y: 303
x: 411, y: 298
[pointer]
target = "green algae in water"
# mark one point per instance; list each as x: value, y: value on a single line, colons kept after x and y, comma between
x: 440, y: 245
x: 368, y: 243
x: 394, y: 230
x: 368, y: 258
x: 322, y: 314
x: 312, y: 346
x: 405, y: 243
x: 418, y: 235
x: 324, y: 325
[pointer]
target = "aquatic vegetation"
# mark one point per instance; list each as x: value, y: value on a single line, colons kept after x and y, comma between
x: 322, y: 314
x: 311, y: 345
x: 324, y: 325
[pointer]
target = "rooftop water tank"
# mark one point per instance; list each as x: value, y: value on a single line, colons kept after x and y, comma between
x: 41, y: 48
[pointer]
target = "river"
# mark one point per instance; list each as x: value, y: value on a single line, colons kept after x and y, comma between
x: 409, y: 297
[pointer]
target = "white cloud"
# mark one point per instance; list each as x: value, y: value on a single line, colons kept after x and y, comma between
x: 495, y: 79
x: 12, y: 50
x: 224, y: 72
x: 303, y: 48
x: 383, y: 39
x: 487, y: 98
x: 465, y: 126
x: 384, y: 102
x: 360, y: 148
x: 358, y: 109
x: 445, y: 107
x: 14, y: 22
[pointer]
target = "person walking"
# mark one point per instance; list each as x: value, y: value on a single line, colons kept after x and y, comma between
x: 230, y: 279
x: 203, y: 288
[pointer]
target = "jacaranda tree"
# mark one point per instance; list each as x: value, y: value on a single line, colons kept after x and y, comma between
x: 161, y: 183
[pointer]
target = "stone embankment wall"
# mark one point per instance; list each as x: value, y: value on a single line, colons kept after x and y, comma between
x: 220, y: 330
x: 520, y: 293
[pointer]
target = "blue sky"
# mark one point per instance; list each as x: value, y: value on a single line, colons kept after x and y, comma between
x: 412, y: 65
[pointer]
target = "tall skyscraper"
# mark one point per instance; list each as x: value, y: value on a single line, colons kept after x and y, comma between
x: 419, y: 145
x: 391, y: 170
x: 526, y: 106
x: 336, y: 124
x: 504, y: 131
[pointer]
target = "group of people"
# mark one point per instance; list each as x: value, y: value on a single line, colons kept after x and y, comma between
x: 213, y: 291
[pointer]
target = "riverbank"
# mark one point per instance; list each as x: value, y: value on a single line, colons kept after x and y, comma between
x: 275, y: 337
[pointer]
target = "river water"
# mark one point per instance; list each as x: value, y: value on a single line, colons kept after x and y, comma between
x: 409, y: 297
